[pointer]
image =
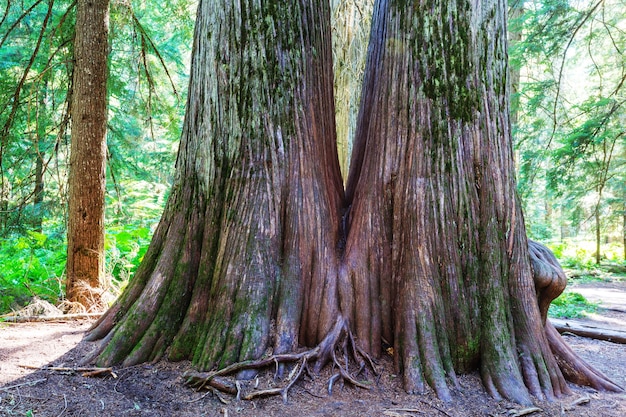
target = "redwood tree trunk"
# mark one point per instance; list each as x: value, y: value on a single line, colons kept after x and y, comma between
x: 250, y: 234
x: 435, y: 223
x: 259, y: 249
x: 85, y: 233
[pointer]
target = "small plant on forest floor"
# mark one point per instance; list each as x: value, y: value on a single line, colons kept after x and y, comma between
x: 571, y: 305
x: 32, y: 266
x: 33, y: 263
x: 599, y: 273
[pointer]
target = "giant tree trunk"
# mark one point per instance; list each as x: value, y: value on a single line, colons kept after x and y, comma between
x: 258, y: 249
x: 85, y: 232
x: 435, y: 223
x: 246, y: 254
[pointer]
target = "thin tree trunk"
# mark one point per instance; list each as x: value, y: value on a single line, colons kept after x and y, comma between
x: 85, y: 235
x: 596, y: 217
x: 38, y: 193
x: 4, y: 206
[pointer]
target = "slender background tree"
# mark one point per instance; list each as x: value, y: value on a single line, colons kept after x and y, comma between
x: 148, y: 53
x: 87, y: 178
x: 569, y: 137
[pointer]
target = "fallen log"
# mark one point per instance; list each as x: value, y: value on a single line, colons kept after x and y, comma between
x: 9, y: 318
x: 91, y: 371
x: 580, y: 328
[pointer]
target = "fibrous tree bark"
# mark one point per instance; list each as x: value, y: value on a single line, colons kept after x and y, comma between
x: 248, y: 242
x: 259, y: 249
x: 85, y: 231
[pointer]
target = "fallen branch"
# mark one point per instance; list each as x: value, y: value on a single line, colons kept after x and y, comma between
x: 524, y: 412
x: 25, y: 319
x: 586, y: 330
x: 87, y: 372
x: 31, y: 383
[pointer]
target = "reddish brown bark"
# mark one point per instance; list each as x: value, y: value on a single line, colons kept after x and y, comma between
x: 252, y: 229
x: 258, y: 250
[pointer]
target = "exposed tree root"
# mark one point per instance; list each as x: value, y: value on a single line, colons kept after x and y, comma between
x: 550, y: 281
x: 574, y: 368
x: 338, y: 347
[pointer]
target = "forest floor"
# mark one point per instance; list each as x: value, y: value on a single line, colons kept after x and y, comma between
x: 158, y: 389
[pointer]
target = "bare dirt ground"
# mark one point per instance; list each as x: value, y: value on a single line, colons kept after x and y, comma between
x: 158, y: 389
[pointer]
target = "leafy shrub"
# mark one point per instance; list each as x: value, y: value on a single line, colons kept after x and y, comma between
x: 558, y: 248
x: 614, y: 252
x: 32, y: 265
x: 125, y: 247
x: 571, y: 305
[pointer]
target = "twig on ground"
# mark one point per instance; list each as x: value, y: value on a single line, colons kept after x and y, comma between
x: 579, y: 401
x: 31, y: 383
x: 395, y: 412
x: 8, y: 318
x: 64, y: 408
x: 87, y: 372
x: 201, y: 397
x: 441, y: 410
x: 312, y: 394
x: 524, y: 411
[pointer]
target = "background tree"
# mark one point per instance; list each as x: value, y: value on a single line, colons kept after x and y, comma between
x: 146, y: 93
x: 569, y: 137
x: 257, y: 248
x: 36, y: 68
x: 85, y: 232
x: 350, y: 22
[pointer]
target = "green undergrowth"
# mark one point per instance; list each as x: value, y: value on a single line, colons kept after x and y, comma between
x: 571, y: 305
x: 580, y: 256
x: 33, y: 263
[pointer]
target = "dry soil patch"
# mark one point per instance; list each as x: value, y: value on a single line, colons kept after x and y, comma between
x: 158, y: 389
